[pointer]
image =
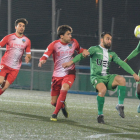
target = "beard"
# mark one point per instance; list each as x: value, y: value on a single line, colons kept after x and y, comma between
x: 107, y: 46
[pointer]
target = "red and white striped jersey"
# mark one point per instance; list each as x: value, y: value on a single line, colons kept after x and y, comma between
x: 15, y: 47
x: 62, y: 53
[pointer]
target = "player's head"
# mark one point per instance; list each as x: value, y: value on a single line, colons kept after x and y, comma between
x: 106, y: 39
x: 64, y: 33
x: 20, y: 25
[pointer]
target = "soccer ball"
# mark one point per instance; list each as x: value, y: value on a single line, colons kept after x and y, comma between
x: 137, y: 32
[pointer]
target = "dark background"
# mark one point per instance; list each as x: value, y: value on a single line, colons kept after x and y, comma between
x: 82, y: 16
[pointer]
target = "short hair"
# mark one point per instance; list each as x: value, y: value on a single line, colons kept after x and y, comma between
x: 104, y: 33
x: 23, y: 20
x: 61, y: 30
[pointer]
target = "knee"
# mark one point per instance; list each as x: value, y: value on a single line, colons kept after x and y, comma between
x: 102, y: 91
x: 121, y: 81
x: 65, y: 87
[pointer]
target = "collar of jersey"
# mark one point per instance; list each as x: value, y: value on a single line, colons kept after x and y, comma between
x: 17, y: 36
x: 103, y: 48
x: 63, y: 43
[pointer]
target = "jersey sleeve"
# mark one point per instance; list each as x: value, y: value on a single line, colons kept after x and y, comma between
x: 48, y: 52
x: 28, y: 48
x: 4, y: 41
x: 91, y: 50
x: 78, y: 48
x: 135, y: 52
x: 115, y: 58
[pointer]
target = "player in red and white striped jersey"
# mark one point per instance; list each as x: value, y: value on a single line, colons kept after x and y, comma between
x: 16, y: 43
x: 62, y: 79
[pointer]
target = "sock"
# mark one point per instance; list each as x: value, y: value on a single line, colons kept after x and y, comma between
x: 138, y: 96
x: 54, y: 104
x: 60, y: 101
x: 121, y: 94
x: 100, y: 102
x: 1, y: 91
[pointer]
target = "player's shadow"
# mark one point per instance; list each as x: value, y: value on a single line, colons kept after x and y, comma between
x: 65, y: 121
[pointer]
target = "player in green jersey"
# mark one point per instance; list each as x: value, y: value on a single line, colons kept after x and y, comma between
x: 134, y: 53
x: 100, y: 58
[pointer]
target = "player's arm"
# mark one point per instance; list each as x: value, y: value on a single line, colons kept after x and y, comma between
x: 128, y: 69
x: 27, y: 58
x: 28, y: 52
x: 134, y: 53
x: 4, y: 41
x: 77, y: 58
x: 125, y: 66
x: 46, y: 54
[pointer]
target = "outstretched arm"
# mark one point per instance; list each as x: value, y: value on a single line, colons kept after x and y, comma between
x: 74, y: 60
x: 128, y: 69
x: 134, y: 53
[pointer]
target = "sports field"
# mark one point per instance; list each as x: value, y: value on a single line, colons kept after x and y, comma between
x: 25, y: 115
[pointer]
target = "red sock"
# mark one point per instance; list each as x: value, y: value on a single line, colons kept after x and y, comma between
x: 54, y: 104
x: 60, y: 101
x: 1, y: 91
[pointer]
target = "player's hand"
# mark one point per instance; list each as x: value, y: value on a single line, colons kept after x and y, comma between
x: 27, y: 59
x: 41, y: 62
x: 124, y: 61
x: 136, y: 77
x: 67, y: 64
x: 85, y: 53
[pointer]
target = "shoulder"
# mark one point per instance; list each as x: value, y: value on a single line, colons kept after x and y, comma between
x: 25, y: 37
x: 94, y: 47
x: 54, y: 43
x: 74, y: 40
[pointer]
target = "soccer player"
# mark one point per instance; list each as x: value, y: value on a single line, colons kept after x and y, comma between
x: 100, y: 58
x: 134, y: 53
x: 16, y: 43
x: 62, y: 79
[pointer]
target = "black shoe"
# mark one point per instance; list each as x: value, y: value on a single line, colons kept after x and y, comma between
x: 120, y: 109
x: 100, y: 118
x: 64, y: 111
x: 54, y: 117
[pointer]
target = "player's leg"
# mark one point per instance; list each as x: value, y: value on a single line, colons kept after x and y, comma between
x: 138, y: 93
x: 2, y: 83
x: 55, y: 91
x: 121, y: 91
x: 3, y: 77
x: 66, y: 84
x: 100, y: 101
x: 138, y: 96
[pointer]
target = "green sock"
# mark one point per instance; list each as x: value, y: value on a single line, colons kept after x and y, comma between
x: 138, y: 96
x: 121, y: 94
x: 100, y: 102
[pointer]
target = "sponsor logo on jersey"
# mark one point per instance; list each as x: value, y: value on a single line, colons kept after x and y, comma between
x: 14, y: 39
x: 70, y: 46
x: 23, y: 40
x: 59, y: 47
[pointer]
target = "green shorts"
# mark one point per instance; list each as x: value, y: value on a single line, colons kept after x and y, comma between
x: 139, y: 76
x: 107, y: 80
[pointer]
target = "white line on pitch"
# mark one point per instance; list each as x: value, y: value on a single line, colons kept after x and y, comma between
x: 102, y: 135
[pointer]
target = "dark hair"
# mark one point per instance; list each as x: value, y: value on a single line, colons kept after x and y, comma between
x: 23, y: 20
x: 104, y: 33
x: 61, y: 30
